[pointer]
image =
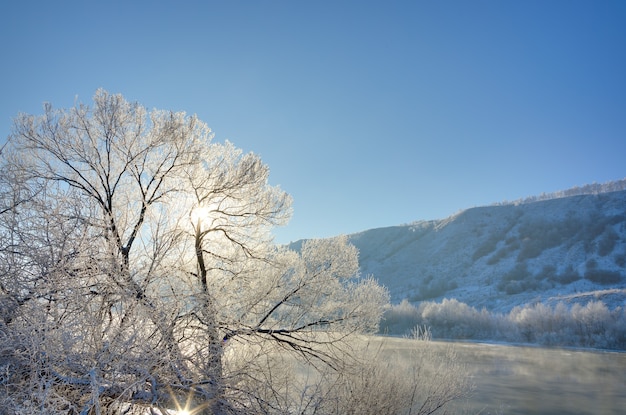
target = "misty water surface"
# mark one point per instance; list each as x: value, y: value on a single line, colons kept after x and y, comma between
x: 534, y: 380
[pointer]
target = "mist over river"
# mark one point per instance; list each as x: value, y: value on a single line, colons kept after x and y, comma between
x: 535, y: 380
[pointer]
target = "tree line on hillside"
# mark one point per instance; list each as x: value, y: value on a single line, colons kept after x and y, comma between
x: 590, y: 325
x: 588, y: 189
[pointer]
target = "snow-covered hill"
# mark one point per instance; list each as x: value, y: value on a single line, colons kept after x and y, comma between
x: 569, y: 249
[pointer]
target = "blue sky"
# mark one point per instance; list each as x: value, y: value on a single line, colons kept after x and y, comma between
x: 369, y: 114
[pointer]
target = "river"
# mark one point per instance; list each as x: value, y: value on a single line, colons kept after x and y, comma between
x: 535, y: 380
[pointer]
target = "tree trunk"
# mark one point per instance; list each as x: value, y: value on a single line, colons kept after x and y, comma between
x: 214, y: 365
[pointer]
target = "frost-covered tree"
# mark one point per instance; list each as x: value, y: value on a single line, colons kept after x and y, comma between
x: 138, y: 273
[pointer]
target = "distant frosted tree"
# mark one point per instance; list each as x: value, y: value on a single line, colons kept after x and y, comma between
x: 137, y: 270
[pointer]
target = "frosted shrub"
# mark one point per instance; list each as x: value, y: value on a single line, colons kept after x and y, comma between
x: 400, y: 318
x: 590, y: 325
x: 594, y: 322
x: 538, y: 323
x: 454, y: 319
x: 587, y: 325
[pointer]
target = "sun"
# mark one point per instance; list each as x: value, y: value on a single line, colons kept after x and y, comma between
x: 186, y: 408
x: 198, y: 215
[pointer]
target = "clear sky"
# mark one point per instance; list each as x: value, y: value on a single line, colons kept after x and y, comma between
x: 369, y: 114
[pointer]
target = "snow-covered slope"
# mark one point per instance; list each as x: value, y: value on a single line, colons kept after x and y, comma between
x: 568, y: 248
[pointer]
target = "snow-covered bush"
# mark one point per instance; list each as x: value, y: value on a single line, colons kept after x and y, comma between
x: 400, y: 318
x: 579, y: 325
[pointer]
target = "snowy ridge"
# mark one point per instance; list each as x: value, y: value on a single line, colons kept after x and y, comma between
x: 570, y: 248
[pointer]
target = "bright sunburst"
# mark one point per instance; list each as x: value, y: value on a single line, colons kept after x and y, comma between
x: 185, y: 408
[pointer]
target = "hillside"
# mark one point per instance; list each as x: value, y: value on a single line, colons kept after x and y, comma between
x: 569, y: 249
